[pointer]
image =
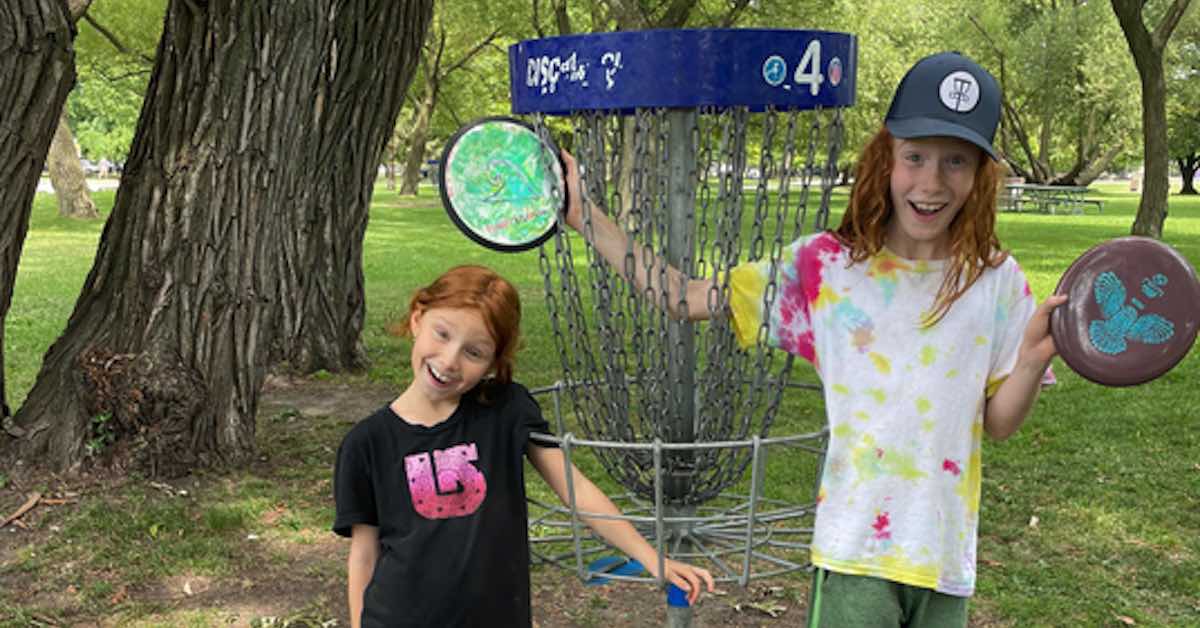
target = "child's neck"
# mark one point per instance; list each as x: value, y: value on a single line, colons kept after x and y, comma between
x: 920, y: 251
x: 418, y: 409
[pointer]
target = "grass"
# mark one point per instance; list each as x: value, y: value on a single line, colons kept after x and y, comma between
x: 1091, y: 513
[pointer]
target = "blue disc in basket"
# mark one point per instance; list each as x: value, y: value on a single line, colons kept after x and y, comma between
x: 502, y: 184
x: 1132, y: 313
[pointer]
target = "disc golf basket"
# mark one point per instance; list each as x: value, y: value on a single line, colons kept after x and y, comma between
x: 710, y: 148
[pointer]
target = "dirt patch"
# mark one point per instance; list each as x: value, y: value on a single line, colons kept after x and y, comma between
x: 298, y: 579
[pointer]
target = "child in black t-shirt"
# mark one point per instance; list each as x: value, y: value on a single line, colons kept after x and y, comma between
x: 431, y: 488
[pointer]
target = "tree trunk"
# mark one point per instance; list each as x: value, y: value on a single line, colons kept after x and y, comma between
x: 417, y: 137
x: 363, y: 87
x: 1187, y: 170
x: 1152, y: 210
x: 172, y: 333
x: 67, y: 176
x: 1147, y: 49
x: 389, y: 164
x: 37, y: 71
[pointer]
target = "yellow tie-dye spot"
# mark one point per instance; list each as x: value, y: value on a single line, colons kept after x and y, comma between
x: 980, y: 340
x: 862, y: 416
x: 882, y: 364
x: 923, y: 405
x: 893, y: 564
x: 923, y: 574
x: 969, y: 483
x: 870, y: 462
x: 840, y: 389
x: 843, y: 430
x: 927, y: 425
x: 826, y: 296
x: 928, y: 355
x: 877, y: 394
x: 952, y: 373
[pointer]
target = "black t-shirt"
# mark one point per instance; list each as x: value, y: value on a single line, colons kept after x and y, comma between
x: 449, y: 502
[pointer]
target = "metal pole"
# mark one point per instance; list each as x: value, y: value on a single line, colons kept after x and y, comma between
x: 681, y: 369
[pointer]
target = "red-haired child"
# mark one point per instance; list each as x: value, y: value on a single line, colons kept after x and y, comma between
x: 431, y: 487
x: 925, y: 335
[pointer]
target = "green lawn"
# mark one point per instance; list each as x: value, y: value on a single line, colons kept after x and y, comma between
x: 1091, y: 513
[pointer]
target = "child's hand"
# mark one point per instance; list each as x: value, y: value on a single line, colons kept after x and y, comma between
x: 686, y: 577
x: 574, y: 215
x: 1037, y: 347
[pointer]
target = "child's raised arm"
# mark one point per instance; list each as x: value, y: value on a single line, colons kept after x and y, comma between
x: 1006, y: 410
x: 611, y: 241
x: 550, y: 462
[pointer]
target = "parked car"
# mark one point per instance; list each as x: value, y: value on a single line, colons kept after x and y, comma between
x: 90, y: 169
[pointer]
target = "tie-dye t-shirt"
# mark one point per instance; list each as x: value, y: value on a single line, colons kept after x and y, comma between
x: 899, y: 497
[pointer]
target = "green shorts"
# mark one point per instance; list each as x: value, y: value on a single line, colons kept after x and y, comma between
x: 844, y: 601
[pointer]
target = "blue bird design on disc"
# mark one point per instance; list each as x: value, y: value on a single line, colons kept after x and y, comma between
x: 1124, y: 322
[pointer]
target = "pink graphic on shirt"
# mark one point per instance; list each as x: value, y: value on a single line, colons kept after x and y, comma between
x: 881, y: 525
x: 456, y: 490
x: 951, y: 466
x: 796, y: 303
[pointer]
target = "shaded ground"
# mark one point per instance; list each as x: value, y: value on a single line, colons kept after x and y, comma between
x: 295, y: 579
x: 287, y: 573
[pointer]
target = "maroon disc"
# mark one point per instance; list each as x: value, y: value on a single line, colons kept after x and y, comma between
x: 1132, y: 313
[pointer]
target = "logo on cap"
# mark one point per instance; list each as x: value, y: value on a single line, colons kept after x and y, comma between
x: 959, y: 91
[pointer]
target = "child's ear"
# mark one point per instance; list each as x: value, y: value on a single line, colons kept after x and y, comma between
x: 414, y: 321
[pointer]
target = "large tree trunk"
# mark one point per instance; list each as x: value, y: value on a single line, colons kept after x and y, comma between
x: 37, y: 71
x: 362, y: 88
x: 1147, y: 49
x: 1152, y: 210
x: 418, y: 135
x: 172, y: 333
x: 67, y: 176
x: 1187, y: 170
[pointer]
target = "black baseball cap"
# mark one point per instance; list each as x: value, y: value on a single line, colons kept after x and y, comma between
x: 947, y: 94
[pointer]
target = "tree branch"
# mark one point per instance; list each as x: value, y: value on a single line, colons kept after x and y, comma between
x: 471, y: 53
x: 1170, y: 20
x: 112, y: 39
x: 676, y: 14
x: 562, y: 19
x: 536, y: 15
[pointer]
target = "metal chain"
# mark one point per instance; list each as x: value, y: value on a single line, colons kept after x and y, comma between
x: 612, y: 338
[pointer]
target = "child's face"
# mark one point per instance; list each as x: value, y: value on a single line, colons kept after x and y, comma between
x: 931, y: 180
x: 452, y: 351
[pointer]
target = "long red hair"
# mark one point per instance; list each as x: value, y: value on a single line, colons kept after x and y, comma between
x: 480, y: 289
x: 974, y: 246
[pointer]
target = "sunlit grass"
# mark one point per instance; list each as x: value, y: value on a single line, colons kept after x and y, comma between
x: 1091, y: 513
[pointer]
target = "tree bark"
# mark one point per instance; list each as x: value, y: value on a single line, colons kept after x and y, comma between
x: 37, y: 71
x: 359, y: 97
x: 1147, y: 48
x: 172, y: 333
x: 1187, y: 170
x: 418, y: 136
x: 67, y: 176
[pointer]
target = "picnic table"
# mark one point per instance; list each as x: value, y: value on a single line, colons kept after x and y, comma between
x: 1048, y: 199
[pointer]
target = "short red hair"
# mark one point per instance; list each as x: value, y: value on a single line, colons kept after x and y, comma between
x: 480, y: 289
x: 974, y: 246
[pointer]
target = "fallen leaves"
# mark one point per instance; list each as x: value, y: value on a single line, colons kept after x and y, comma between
x: 767, y: 608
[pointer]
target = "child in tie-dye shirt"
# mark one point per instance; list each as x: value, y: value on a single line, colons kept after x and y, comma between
x: 925, y: 335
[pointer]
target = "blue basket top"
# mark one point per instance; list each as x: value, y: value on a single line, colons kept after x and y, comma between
x: 755, y: 68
